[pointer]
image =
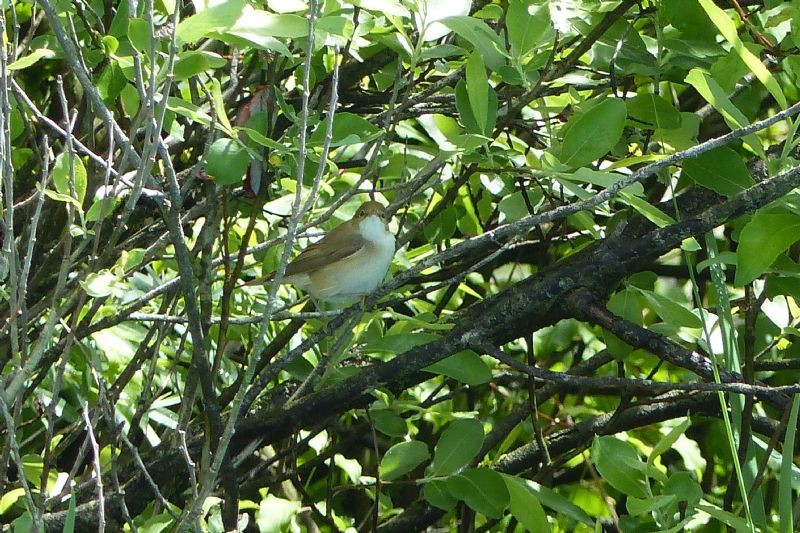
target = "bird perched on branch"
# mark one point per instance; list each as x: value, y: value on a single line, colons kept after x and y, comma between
x: 348, y: 262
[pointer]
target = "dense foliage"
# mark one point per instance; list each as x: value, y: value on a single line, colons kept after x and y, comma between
x: 591, y: 321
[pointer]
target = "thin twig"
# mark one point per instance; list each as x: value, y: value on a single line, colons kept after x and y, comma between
x: 98, y: 471
x: 14, y: 446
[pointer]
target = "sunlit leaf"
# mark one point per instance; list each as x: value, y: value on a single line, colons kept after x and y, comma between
x: 227, y: 161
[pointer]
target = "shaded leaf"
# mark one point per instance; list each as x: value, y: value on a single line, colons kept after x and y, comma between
x: 61, y: 176
x: 671, y: 311
x: 466, y: 367
x: 592, y: 134
x: 478, y: 90
x: 761, y: 241
x: 194, y: 62
x: 640, y: 506
x: 457, y: 446
x: 524, y: 505
x: 619, y: 464
x: 721, y: 170
x: 388, y: 422
x: 483, y: 489
x: 437, y: 493
x: 402, y: 458
x: 348, y: 128
x: 654, y: 110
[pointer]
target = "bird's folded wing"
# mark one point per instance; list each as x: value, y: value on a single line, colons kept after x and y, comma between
x: 334, y: 247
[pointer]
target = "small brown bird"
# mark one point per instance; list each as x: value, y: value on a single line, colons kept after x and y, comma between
x: 350, y: 261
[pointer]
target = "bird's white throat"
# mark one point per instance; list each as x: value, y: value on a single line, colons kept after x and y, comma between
x: 374, y: 230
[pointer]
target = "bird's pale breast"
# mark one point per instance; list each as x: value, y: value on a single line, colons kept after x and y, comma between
x: 362, y: 272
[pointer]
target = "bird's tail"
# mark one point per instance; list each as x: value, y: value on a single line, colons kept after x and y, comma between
x: 258, y: 281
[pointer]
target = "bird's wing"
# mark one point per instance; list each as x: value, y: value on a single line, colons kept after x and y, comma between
x: 321, y: 254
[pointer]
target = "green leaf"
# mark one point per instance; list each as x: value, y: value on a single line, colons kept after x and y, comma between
x: 626, y: 304
x: 264, y: 140
x: 348, y: 128
x: 785, y: 506
x: 654, y: 110
x: 555, y: 501
x: 61, y: 176
x: 513, y: 206
x: 483, y: 489
x: 242, y: 39
x: 481, y: 36
x: 31, y: 59
x: 619, y: 464
x: 402, y: 458
x: 478, y: 89
x: 397, y: 344
x: 711, y: 91
x: 219, y: 107
x: 440, y: 51
x: 528, y: 25
x: 594, y: 133
x: 670, y: 311
x: 139, y: 35
x: 684, y: 487
x: 110, y: 44
x: 256, y: 22
x: 721, y: 170
x: 668, y: 440
x: 220, y: 16
x: 188, y: 110
x: 761, y: 241
x: 99, y: 284
x: 728, y: 30
x: 69, y: 521
x: 58, y: 197
x: 33, y: 466
x: 457, y: 446
x: 734, y: 521
x: 195, y: 62
x: 111, y: 81
x: 602, y: 178
x: 9, y: 498
x: 640, y: 506
x: 336, y: 25
x: 437, y: 493
x: 388, y: 422
x: 388, y: 7
x: 464, y: 106
x: 227, y: 161
x: 646, y: 209
x: 275, y: 514
x: 525, y: 506
x: 466, y: 367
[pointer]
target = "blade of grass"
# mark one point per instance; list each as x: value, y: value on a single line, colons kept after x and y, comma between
x: 787, y: 462
x: 712, y: 252
x: 746, y: 472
